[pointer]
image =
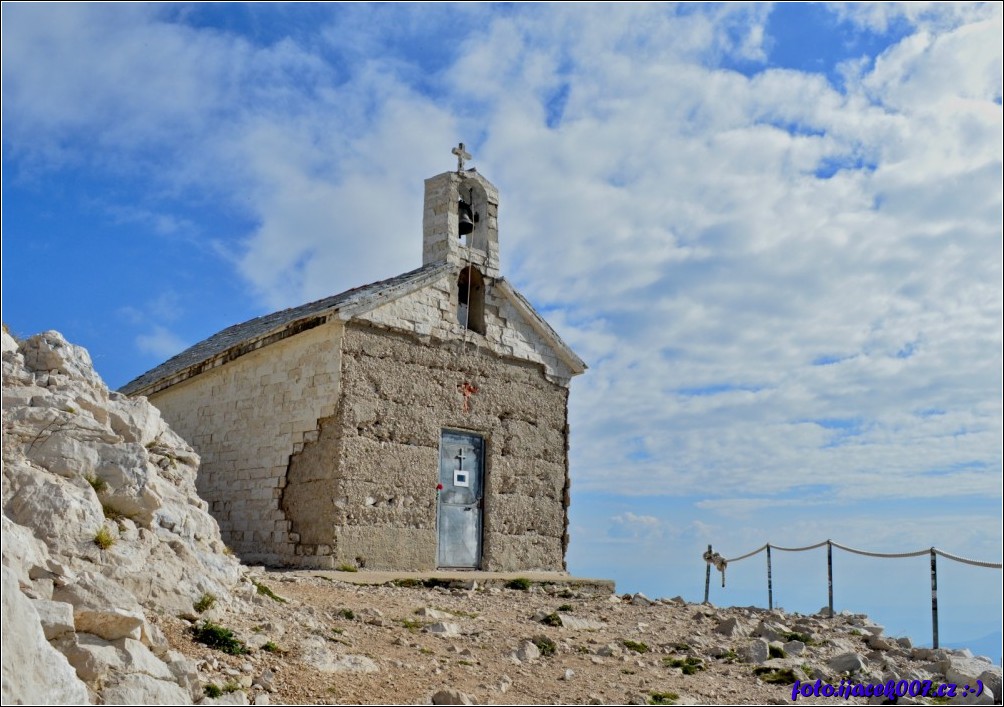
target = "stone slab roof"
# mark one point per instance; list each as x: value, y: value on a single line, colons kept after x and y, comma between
x: 266, y: 329
x: 240, y: 339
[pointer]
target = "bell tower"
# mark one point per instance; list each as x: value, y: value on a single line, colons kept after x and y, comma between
x: 460, y: 224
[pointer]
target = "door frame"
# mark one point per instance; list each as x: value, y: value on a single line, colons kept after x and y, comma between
x: 483, y: 469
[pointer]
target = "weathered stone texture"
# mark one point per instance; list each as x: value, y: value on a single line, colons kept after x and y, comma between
x: 381, y: 452
x: 432, y: 312
x: 246, y: 418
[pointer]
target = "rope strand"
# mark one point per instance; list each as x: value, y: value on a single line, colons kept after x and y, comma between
x: 867, y: 553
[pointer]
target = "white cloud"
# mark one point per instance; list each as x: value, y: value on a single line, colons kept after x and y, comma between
x: 161, y: 342
x: 666, y: 210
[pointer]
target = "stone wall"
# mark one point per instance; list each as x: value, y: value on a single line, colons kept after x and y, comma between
x: 245, y: 419
x: 432, y: 312
x: 380, y: 455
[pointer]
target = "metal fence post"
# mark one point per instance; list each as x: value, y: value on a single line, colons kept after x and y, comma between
x: 707, y: 577
x: 770, y: 585
x: 934, y: 598
x: 829, y: 572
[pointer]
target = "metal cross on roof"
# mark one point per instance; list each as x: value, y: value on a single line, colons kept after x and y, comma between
x: 462, y: 155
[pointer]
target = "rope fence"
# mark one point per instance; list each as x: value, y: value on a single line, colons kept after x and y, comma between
x: 721, y: 563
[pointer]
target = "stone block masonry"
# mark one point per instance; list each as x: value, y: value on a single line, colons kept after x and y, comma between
x: 245, y: 419
x: 377, y: 456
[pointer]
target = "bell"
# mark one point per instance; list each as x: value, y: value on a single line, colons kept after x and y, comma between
x: 466, y: 214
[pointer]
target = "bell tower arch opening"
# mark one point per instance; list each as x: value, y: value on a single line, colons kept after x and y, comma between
x: 471, y: 299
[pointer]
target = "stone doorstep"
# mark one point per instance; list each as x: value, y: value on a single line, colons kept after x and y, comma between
x: 484, y: 579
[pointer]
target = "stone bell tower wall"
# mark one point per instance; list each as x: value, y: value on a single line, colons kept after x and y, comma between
x: 441, y: 240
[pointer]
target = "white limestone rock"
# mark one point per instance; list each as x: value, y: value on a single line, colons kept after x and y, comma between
x: 33, y: 671
x: 56, y: 617
x: 141, y: 689
x: 640, y: 599
x: 756, y: 651
x: 848, y: 662
x: 74, y: 452
x: 793, y: 647
x: 443, y: 629
x: 733, y: 628
x: 451, y: 696
x: 527, y: 652
x: 580, y: 624
x: 102, y: 607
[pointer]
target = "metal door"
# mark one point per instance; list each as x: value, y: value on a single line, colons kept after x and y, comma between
x: 461, y: 474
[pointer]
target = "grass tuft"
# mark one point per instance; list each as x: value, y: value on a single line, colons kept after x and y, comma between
x: 545, y: 645
x: 205, y: 603
x: 662, y: 698
x: 265, y: 590
x: 636, y: 646
x: 521, y: 584
x: 552, y: 619
x: 775, y: 676
x: 97, y: 483
x: 218, y: 637
x: 104, y: 538
x: 688, y: 665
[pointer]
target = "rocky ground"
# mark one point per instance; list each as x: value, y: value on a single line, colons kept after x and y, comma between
x: 117, y: 589
x: 332, y: 641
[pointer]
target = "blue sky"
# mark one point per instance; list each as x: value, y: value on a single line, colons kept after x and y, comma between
x: 774, y: 233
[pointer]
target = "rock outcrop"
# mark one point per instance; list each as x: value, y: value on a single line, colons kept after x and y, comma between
x: 110, y: 560
x: 103, y: 533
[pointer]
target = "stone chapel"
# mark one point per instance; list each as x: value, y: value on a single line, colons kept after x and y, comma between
x: 415, y: 423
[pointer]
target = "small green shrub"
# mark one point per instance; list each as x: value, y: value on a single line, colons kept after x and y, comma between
x: 775, y: 676
x: 413, y: 625
x: 205, y: 603
x: 213, y: 691
x: 566, y: 594
x: 521, y: 584
x: 104, y: 538
x: 218, y: 637
x: 263, y: 589
x: 567, y: 608
x: 662, y: 698
x: 552, y: 619
x: 97, y: 483
x: 231, y: 686
x: 688, y: 665
x: 730, y: 656
x: 347, y: 568
x: 347, y: 614
x: 271, y: 647
x: 636, y: 646
x: 796, y: 636
x: 545, y: 645
x: 775, y: 651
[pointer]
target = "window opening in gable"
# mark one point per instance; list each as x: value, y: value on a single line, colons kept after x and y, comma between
x: 471, y: 300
